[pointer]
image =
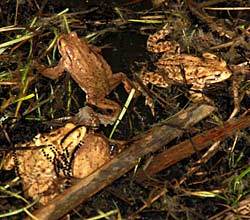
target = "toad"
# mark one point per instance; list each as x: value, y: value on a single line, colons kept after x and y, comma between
x: 175, y: 67
x: 50, y: 159
x: 91, y: 72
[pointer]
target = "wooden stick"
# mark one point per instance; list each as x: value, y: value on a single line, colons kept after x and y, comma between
x: 187, y: 148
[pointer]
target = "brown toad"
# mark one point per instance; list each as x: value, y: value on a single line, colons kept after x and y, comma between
x: 91, y: 72
x: 51, y: 158
x: 175, y: 67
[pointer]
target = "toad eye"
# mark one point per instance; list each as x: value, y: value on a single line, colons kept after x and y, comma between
x: 218, y: 75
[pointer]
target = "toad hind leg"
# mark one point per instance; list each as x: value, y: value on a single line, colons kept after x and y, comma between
x: 117, y: 78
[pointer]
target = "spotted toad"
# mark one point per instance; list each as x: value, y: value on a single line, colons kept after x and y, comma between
x: 175, y: 67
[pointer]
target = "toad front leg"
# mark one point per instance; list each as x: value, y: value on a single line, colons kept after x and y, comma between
x: 52, y: 72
